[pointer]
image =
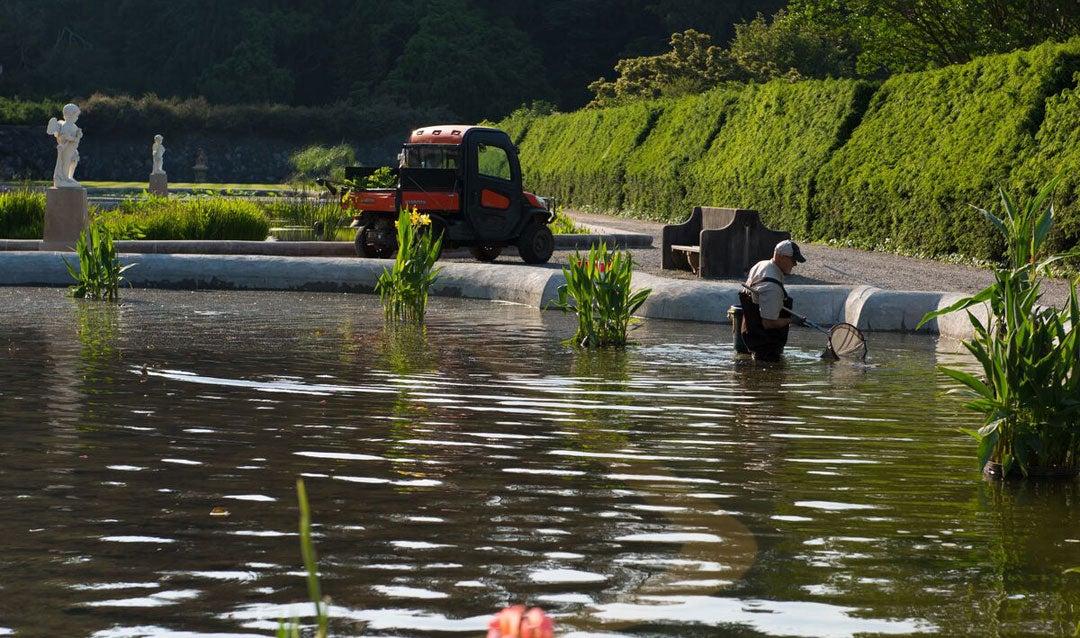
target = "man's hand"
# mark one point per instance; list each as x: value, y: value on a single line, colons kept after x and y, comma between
x: 798, y: 321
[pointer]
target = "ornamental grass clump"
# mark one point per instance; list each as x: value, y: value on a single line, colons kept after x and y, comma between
x: 22, y: 213
x: 100, y: 273
x: 404, y: 288
x: 1029, y: 391
x: 597, y: 290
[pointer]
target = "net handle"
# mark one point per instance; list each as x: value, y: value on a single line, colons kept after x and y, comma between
x: 829, y: 352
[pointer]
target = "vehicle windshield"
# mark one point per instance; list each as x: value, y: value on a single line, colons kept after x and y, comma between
x: 430, y: 156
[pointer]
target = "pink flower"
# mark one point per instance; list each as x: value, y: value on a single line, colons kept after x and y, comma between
x: 517, y: 622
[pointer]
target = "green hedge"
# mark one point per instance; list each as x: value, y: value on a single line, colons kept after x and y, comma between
x: 658, y: 176
x: 896, y: 165
x: 1057, y: 152
x: 580, y: 158
x: 766, y: 155
x: 149, y: 114
x: 933, y: 143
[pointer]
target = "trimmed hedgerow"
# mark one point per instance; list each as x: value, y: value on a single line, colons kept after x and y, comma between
x: 895, y: 166
x: 1057, y: 152
x: 933, y: 143
x: 769, y: 150
x: 127, y: 115
x: 580, y: 158
x: 658, y: 178
x: 16, y: 111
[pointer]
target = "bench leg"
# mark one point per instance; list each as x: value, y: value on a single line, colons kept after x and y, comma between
x: 692, y: 260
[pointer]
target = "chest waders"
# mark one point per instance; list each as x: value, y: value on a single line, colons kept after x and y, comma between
x: 766, y: 344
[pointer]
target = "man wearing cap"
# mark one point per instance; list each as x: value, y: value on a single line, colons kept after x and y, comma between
x: 765, y: 320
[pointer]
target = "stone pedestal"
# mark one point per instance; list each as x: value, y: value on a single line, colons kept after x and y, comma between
x: 66, y: 217
x: 159, y: 184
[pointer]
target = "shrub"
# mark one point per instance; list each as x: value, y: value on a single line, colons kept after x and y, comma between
x: 321, y: 161
x: 16, y: 111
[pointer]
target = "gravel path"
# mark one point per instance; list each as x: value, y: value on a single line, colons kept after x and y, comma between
x: 830, y: 265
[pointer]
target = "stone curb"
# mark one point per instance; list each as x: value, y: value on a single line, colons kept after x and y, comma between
x: 870, y: 309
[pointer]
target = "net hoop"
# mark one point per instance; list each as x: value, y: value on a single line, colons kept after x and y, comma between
x: 847, y: 342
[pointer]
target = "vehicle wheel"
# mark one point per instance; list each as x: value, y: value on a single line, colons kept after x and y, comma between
x: 485, y: 253
x: 372, y: 240
x: 536, y: 243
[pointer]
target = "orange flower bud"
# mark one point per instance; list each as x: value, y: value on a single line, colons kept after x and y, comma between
x: 517, y: 622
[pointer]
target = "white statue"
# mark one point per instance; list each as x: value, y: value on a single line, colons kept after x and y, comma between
x: 67, y: 137
x: 158, y: 152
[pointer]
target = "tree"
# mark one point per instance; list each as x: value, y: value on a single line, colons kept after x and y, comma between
x: 893, y: 36
x: 460, y: 59
x: 693, y: 65
x: 783, y: 47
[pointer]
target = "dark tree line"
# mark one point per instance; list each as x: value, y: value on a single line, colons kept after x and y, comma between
x: 476, y: 58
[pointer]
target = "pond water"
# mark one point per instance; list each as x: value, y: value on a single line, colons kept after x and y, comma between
x: 668, y: 489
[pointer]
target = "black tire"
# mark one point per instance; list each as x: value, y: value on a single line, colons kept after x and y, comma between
x: 370, y: 243
x: 536, y: 243
x: 485, y: 254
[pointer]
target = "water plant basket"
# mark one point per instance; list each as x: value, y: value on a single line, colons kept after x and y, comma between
x: 995, y: 470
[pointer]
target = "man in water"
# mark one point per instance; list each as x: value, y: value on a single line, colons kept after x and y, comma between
x: 765, y: 303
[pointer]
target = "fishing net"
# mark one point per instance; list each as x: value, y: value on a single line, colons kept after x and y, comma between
x: 846, y: 341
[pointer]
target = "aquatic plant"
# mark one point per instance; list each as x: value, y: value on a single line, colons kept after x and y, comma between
x: 307, y: 551
x: 1029, y: 391
x: 597, y: 290
x: 403, y: 289
x: 100, y: 273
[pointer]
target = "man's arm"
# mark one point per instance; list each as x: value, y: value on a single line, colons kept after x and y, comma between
x: 771, y: 301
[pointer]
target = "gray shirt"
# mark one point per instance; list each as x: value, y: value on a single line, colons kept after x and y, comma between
x: 767, y: 295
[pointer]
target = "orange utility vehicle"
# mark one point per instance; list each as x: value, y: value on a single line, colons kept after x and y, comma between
x: 467, y: 179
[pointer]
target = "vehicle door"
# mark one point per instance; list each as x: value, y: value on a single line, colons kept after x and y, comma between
x: 493, y: 197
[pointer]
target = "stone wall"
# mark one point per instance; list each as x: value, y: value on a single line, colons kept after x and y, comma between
x: 28, y: 152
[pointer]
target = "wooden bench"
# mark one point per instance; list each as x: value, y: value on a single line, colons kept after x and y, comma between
x: 692, y: 255
x: 717, y: 243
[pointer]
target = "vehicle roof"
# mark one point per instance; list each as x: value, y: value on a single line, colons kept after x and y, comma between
x: 444, y: 133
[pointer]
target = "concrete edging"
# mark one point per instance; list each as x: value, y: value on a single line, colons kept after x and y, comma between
x: 870, y: 309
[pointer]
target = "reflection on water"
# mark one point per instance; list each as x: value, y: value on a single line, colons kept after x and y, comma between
x: 668, y: 489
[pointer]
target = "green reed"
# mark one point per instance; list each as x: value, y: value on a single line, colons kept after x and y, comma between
x: 174, y: 218
x: 404, y: 289
x: 1029, y: 390
x: 22, y: 213
x: 311, y: 560
x: 598, y: 291
x: 100, y: 273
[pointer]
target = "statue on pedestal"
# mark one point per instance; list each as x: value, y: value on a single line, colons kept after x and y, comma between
x: 157, y: 151
x: 200, y: 165
x: 67, y: 137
